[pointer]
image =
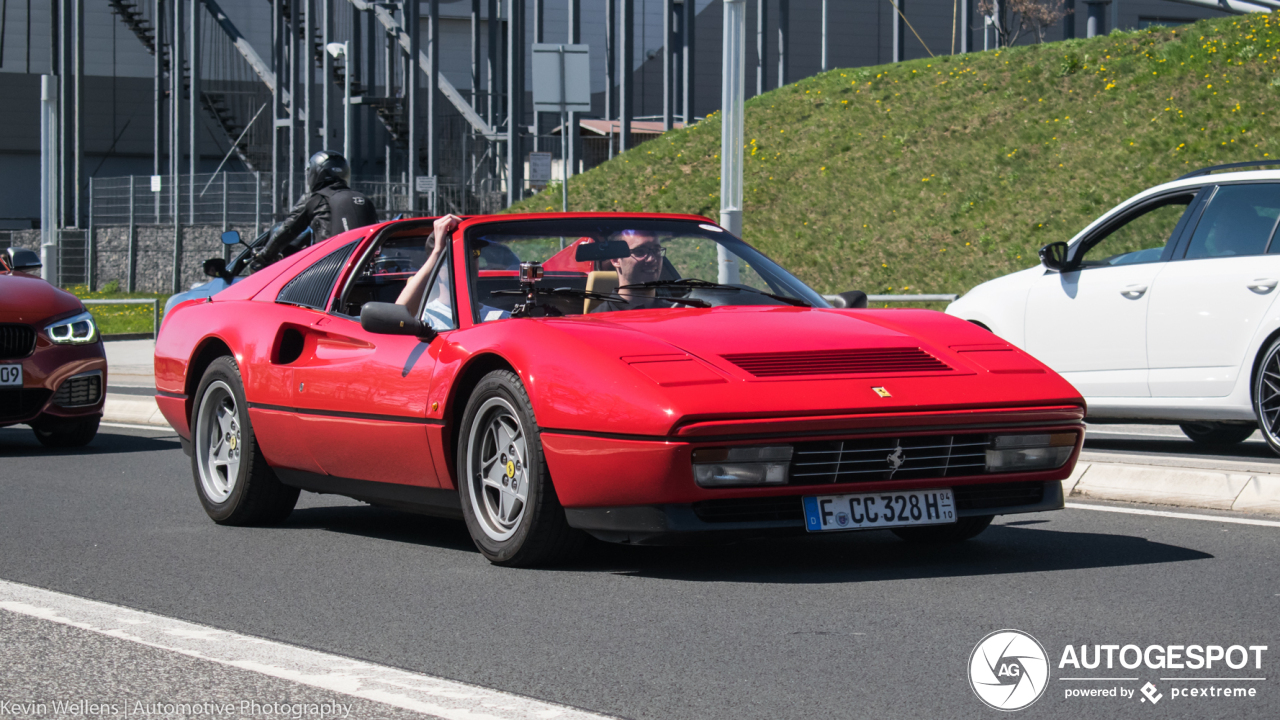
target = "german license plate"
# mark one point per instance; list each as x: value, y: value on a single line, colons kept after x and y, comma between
x: 879, y: 510
x: 10, y: 375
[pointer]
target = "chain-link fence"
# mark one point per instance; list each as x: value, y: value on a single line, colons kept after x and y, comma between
x: 241, y: 199
x: 222, y: 199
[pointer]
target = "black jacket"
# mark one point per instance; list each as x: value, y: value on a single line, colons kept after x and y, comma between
x: 330, y: 210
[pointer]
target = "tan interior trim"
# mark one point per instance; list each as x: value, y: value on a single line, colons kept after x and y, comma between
x: 601, y: 281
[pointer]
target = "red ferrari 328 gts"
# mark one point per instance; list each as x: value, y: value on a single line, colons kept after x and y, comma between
x: 637, y: 378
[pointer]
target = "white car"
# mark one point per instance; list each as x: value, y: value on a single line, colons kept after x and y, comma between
x: 1163, y: 309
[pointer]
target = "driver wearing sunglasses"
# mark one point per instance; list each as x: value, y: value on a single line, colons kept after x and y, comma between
x: 643, y: 265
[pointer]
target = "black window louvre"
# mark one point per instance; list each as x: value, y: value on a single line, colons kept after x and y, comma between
x: 311, y: 287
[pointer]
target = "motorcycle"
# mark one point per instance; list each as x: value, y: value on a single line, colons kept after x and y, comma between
x: 225, y: 273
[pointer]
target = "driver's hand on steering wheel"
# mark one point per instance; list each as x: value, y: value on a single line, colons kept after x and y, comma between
x: 443, y: 227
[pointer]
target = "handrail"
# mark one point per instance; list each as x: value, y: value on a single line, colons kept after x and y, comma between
x: 153, y: 302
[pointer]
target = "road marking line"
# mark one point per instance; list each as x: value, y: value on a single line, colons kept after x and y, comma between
x: 1179, y: 515
x: 418, y: 692
x: 132, y: 426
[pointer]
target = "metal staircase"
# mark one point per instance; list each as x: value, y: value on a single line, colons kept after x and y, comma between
x: 214, y: 103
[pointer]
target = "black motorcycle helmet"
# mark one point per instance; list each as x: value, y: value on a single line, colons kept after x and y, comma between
x: 324, y: 168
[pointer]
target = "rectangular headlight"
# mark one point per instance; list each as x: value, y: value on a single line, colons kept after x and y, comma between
x: 1013, y: 453
x: 737, y: 466
x: 76, y: 330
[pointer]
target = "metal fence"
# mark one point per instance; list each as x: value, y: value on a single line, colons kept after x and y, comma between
x: 74, y: 263
x: 243, y: 199
x: 225, y: 199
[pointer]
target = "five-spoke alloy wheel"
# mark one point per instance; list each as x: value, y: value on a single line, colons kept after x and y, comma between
x: 234, y: 482
x: 508, y: 500
x: 217, y: 442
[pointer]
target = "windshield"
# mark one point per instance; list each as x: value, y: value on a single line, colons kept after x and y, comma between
x: 663, y: 264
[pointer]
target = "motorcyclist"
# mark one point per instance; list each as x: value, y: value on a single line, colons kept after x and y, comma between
x: 330, y: 207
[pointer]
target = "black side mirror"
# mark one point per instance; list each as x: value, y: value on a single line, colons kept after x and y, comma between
x: 855, y: 299
x: 216, y: 268
x: 23, y: 259
x: 231, y: 237
x: 1054, y: 256
x: 393, y: 319
x: 602, y: 250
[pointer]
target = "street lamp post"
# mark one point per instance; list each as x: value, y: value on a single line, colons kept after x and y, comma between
x: 731, y: 108
x: 342, y: 50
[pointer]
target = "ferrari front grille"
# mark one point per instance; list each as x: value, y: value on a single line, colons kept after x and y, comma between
x: 875, y: 460
x: 79, y: 391
x: 874, y: 361
x: 16, y: 341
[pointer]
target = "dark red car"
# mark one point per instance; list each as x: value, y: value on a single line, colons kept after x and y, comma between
x: 531, y: 398
x: 53, y: 371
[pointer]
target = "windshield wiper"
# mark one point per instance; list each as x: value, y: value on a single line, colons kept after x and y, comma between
x: 697, y: 283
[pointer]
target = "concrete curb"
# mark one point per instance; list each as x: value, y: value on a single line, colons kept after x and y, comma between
x: 132, y: 410
x: 1165, y: 485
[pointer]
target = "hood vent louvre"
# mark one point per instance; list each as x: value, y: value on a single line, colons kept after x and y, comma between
x: 878, y: 361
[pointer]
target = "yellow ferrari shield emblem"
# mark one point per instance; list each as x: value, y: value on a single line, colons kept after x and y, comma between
x: 882, y: 392
x: 511, y: 469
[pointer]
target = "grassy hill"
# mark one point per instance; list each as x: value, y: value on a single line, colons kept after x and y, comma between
x: 935, y: 175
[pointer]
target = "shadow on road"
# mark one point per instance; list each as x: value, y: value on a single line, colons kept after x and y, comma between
x: 382, y: 524
x: 1020, y: 547
x: 878, y: 555
x: 18, y: 442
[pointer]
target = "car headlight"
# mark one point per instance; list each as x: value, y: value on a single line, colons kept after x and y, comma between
x: 77, y: 330
x: 1012, y: 453
x: 756, y: 465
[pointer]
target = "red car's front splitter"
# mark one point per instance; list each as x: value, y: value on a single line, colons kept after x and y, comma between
x: 642, y: 490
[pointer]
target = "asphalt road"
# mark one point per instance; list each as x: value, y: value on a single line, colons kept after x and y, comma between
x: 848, y: 625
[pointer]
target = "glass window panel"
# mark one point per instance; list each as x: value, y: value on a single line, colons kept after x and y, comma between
x: 667, y: 254
x: 1237, y: 222
x: 1141, y: 238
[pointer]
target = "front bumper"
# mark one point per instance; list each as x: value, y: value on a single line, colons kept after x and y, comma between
x: 675, y: 524
x: 59, y: 382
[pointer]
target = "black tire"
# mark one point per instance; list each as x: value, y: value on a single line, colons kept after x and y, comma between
x: 1216, y: 434
x: 248, y: 493
x: 1266, y: 395
x: 63, y: 434
x: 509, y: 530
x: 963, y: 529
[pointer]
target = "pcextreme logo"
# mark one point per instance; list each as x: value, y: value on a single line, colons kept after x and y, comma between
x: 1008, y: 670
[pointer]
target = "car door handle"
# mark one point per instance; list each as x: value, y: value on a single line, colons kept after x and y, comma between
x: 1262, y: 285
x: 1133, y: 291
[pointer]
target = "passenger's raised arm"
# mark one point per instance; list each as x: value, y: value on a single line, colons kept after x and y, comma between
x: 411, y: 296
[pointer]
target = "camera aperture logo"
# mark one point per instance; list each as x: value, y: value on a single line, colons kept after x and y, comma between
x: 1008, y: 670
